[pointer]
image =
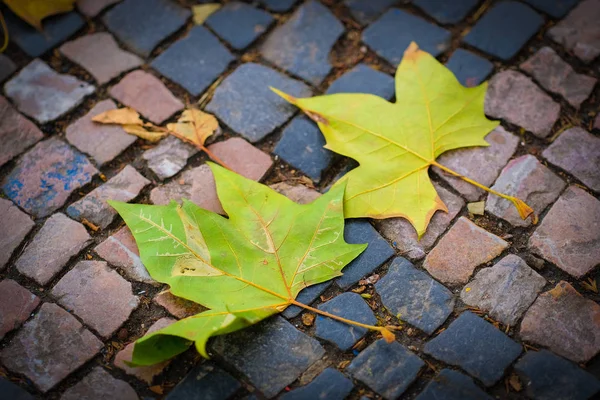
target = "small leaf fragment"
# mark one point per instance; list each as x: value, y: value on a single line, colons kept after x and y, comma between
x: 201, y: 12
x: 121, y: 116
x: 195, y: 125
x: 308, y: 319
x: 145, y: 132
x: 476, y: 208
x: 387, y: 335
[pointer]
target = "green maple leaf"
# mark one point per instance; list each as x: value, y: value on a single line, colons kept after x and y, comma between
x: 243, y: 268
x: 395, y: 143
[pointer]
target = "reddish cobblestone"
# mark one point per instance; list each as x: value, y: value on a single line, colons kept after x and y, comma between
x: 515, y: 98
x: 577, y: 152
x: 146, y: 94
x: 177, y: 306
x: 297, y: 193
x: 580, y: 31
x: 46, y: 176
x: 469, y: 162
x: 43, y: 94
x: 52, y: 247
x: 17, y: 133
x: 569, y: 235
x: 100, y: 55
x: 557, y: 76
x: 101, y: 141
x: 243, y: 158
x: 99, y: 385
x: 403, y: 235
x: 529, y: 180
x: 49, y: 347
x: 16, y: 305
x: 14, y: 226
x: 121, y: 250
x: 147, y: 373
x: 461, y: 250
x: 91, y: 8
x: 124, y: 186
x: 565, y: 322
x: 96, y: 294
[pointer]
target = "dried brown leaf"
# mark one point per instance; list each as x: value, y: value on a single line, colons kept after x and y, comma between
x: 121, y: 116
x: 195, y: 125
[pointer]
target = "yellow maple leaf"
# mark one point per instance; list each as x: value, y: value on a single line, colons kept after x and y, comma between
x: 34, y: 11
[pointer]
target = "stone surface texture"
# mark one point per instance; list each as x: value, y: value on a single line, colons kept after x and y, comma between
x: 469, y: 69
x: 96, y: 294
x: 43, y: 94
x: 330, y: 384
x: 364, y: 79
x: 239, y: 24
x: 452, y: 385
x: 297, y: 193
x: 16, y: 305
x: 529, y: 180
x: 49, y: 347
x: 14, y: 227
x: 557, y: 76
x: 146, y: 94
x: 124, y: 186
x: 17, y: 133
x: 177, y: 306
x: 99, y: 384
x: 513, y: 97
x: 100, y: 55
x: 59, y: 239
x: 579, y: 32
x: 366, y: 11
x: 577, y: 152
x: 505, y: 291
x: 569, y: 234
x: 45, y: 177
x: 565, y: 322
x: 91, y: 8
x: 205, y: 382
x: 461, y: 250
x: 103, y: 142
x: 169, y: 156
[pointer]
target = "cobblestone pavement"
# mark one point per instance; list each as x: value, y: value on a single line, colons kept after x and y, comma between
x: 492, y: 306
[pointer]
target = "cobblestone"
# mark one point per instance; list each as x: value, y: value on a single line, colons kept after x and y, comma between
x: 529, y: 180
x: 476, y: 346
x: 100, y: 55
x: 146, y: 94
x: 306, y: 296
x: 330, y: 384
x: 101, y: 141
x: 387, y: 368
x: 34, y: 42
x: 579, y: 31
x: 556, y: 76
x: 99, y: 384
x: 43, y: 94
x: 367, y: 11
x: 568, y: 235
x: 53, y: 246
x: 391, y: 34
x: 91, y: 8
x: 14, y: 227
x: 7, y: 67
x: 239, y: 24
x: 412, y: 296
x: 505, y: 291
x: 556, y: 9
x: 177, y: 306
x: 461, y: 250
x: 180, y: 62
x: 452, y: 385
x: 290, y: 353
x: 302, y: 44
x: 565, y: 322
x: 297, y: 193
x: 121, y: 250
x: 447, y: 12
x: 549, y: 377
x: 491, y: 35
x: 45, y: 177
x: 364, y: 79
x: 577, y: 152
x: 155, y: 21
x: 147, y: 373
x: 124, y: 186
x: 469, y: 162
x: 49, y: 347
x: 96, y: 294
x: 278, y: 5
x: 469, y: 69
x: 169, y: 157
x: 257, y: 118
x: 205, y: 382
x: 16, y: 305
x: 346, y: 305
x: 242, y: 157
x: 515, y: 98
x: 378, y: 252
x: 301, y: 146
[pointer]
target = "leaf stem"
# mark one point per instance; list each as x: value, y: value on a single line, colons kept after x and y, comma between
x: 522, y: 207
x: 4, y: 32
x: 384, y: 330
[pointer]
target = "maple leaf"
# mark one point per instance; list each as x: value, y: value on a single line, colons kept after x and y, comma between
x: 395, y: 143
x: 243, y: 268
x: 34, y: 11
